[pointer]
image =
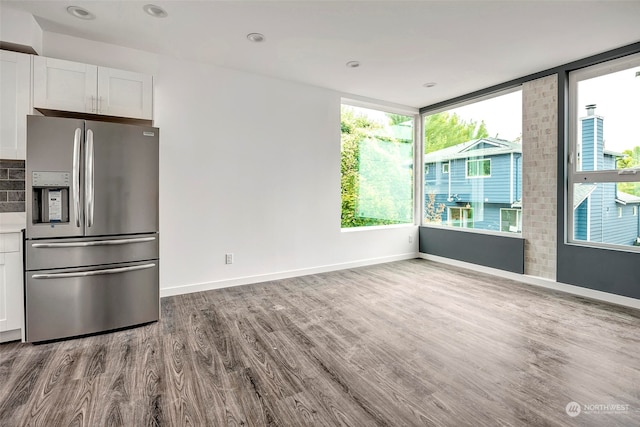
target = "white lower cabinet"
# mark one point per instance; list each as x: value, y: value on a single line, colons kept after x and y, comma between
x: 11, y: 287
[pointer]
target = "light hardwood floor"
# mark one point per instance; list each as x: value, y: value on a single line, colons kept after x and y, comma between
x: 404, y: 343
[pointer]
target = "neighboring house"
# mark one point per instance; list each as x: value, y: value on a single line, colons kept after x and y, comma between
x: 602, y: 213
x: 476, y: 184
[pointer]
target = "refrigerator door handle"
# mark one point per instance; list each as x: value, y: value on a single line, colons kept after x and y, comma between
x: 88, y: 179
x: 93, y: 272
x: 76, y: 175
x: 94, y: 243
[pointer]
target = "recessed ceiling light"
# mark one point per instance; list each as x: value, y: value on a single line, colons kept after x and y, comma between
x: 353, y: 64
x: 255, y: 37
x: 430, y: 84
x: 155, y: 11
x: 80, y: 12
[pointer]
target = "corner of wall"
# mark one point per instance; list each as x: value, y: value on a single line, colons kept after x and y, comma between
x: 539, y: 183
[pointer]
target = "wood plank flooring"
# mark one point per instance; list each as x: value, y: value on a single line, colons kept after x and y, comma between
x: 407, y: 343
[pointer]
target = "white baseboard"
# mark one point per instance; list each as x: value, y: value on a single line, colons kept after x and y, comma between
x: 542, y: 282
x: 246, y: 280
x: 14, y: 335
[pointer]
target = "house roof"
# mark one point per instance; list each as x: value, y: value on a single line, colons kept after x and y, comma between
x: 483, y: 147
x: 626, y: 198
x: 612, y: 153
x: 581, y: 192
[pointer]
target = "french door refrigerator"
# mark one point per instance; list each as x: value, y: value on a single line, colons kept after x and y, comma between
x: 91, y: 239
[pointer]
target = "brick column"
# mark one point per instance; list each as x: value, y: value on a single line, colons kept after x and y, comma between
x: 539, y: 175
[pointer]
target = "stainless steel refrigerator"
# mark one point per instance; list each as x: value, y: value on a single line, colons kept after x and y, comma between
x: 91, y: 240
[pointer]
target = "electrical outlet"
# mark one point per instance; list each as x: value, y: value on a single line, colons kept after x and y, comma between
x: 228, y: 258
x: 410, y: 239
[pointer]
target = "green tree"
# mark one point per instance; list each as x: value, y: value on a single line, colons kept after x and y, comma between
x: 396, y: 119
x: 631, y: 159
x: 444, y: 130
x: 433, y: 211
x: 354, y: 127
x: 366, y: 145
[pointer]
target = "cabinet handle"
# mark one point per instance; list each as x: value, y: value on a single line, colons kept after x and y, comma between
x: 93, y: 104
x: 100, y: 104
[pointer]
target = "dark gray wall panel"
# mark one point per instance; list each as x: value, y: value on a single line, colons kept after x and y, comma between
x: 604, y: 270
x: 504, y: 253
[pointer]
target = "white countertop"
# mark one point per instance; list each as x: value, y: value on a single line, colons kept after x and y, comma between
x: 12, y: 222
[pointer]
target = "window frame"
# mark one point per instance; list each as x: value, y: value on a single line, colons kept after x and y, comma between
x: 414, y: 114
x: 466, y: 168
x: 461, y: 209
x: 443, y: 167
x: 518, y: 220
x: 474, y: 98
x: 575, y: 176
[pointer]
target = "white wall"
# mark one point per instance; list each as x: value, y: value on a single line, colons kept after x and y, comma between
x: 248, y: 165
x: 20, y: 28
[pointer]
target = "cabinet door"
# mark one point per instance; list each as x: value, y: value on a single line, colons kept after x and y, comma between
x: 11, y: 303
x: 15, y: 103
x: 64, y: 85
x: 124, y: 93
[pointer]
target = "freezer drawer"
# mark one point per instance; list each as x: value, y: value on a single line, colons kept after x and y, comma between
x: 71, y: 302
x: 77, y: 252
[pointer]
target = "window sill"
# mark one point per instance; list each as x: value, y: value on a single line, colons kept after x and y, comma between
x: 475, y: 231
x: 376, y: 227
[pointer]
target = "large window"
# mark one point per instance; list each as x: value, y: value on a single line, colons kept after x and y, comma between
x: 473, y: 165
x: 604, y: 178
x: 377, y: 167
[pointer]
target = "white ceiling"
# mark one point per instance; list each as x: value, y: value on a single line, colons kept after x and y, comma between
x: 461, y: 45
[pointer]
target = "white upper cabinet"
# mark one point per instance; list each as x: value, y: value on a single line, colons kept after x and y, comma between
x: 64, y: 85
x: 15, y: 103
x: 71, y: 86
x: 124, y: 93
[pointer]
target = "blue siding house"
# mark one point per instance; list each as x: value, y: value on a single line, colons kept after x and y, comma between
x: 476, y: 184
x: 602, y: 213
